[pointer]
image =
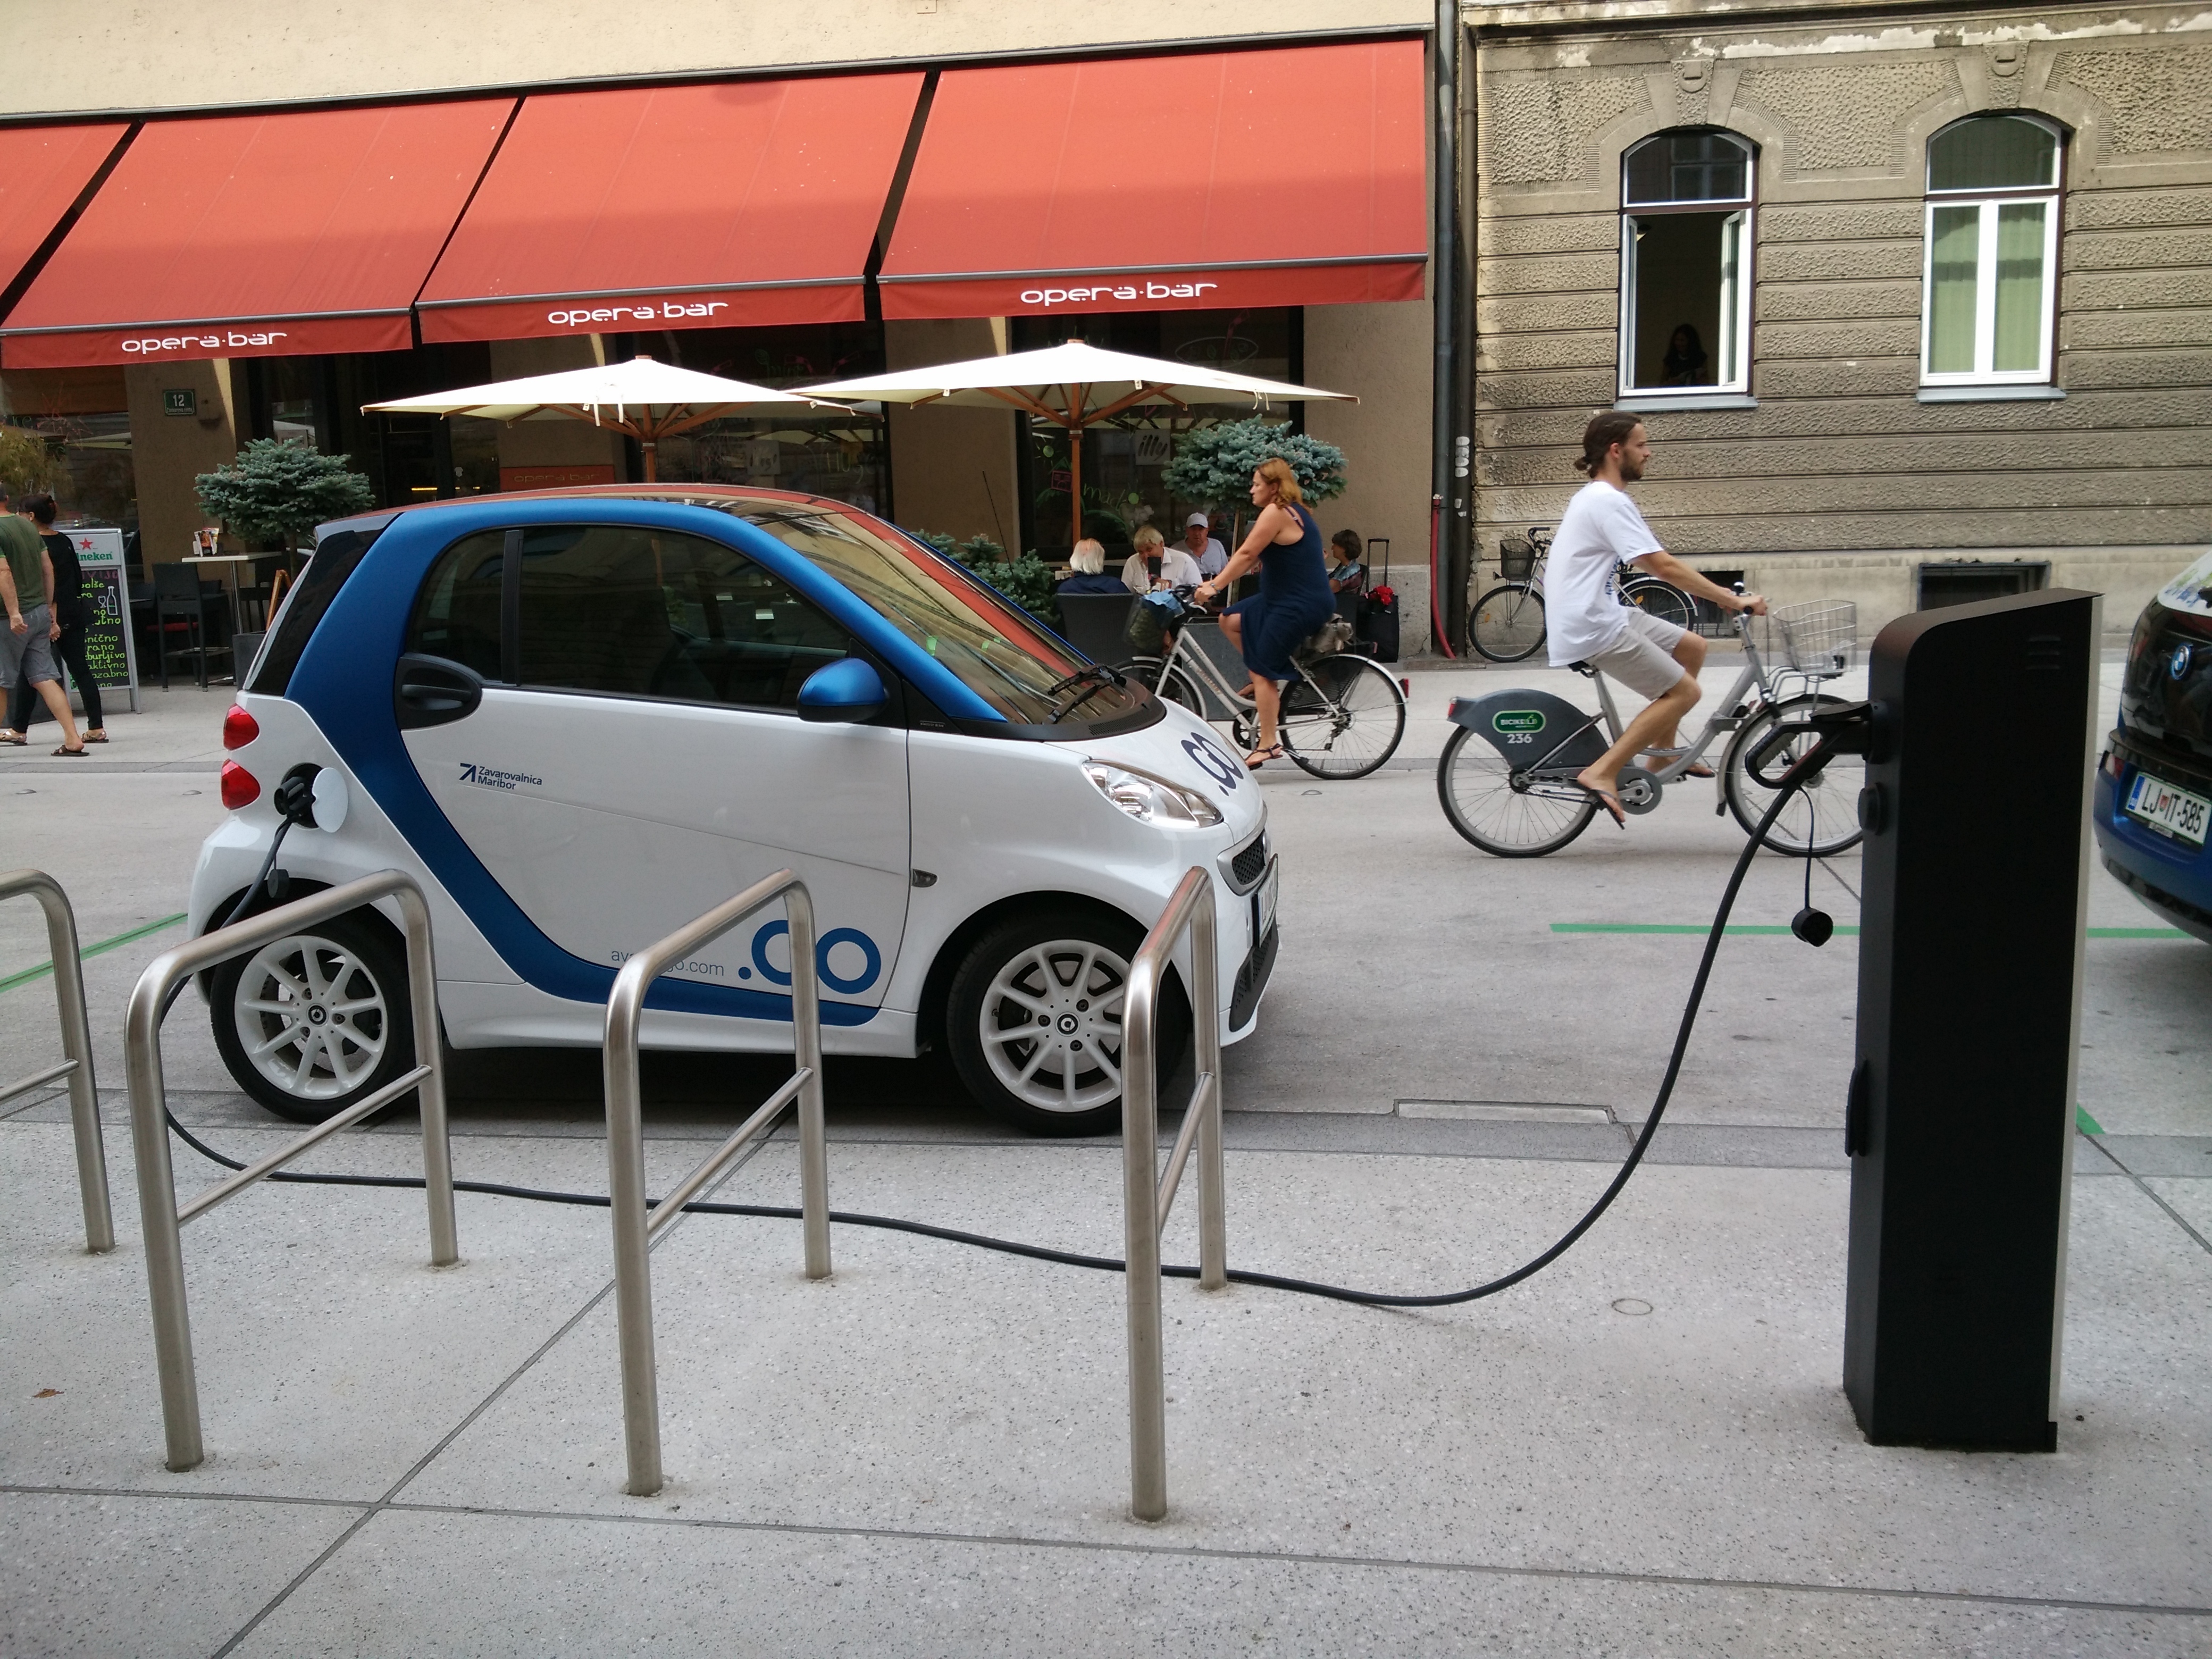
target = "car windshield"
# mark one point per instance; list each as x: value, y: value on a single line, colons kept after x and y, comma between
x: 997, y: 649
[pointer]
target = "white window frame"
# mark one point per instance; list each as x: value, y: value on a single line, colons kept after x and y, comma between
x: 1985, y: 264
x: 1734, y: 350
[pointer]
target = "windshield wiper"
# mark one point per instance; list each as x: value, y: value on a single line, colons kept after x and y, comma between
x: 1094, y: 678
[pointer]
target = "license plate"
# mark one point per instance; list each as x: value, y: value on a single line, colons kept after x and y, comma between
x: 2158, y: 805
x: 1263, y: 902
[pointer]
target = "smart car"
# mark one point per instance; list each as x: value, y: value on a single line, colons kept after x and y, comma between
x: 582, y: 718
x: 2154, y: 784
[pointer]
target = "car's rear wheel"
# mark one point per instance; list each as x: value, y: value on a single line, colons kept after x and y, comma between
x: 1034, y: 1020
x: 310, y: 1023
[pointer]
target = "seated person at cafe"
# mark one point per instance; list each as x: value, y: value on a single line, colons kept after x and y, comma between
x: 1156, y: 565
x: 1088, y: 563
x: 1345, y: 573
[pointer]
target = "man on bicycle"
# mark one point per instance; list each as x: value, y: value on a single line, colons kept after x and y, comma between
x: 1587, y: 622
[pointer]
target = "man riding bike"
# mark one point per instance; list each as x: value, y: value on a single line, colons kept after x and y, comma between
x: 1589, y: 622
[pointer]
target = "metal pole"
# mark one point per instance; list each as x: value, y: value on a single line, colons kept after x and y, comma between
x: 76, y: 1045
x: 431, y: 1093
x: 1148, y: 1427
x: 626, y: 1187
x: 807, y: 1053
x: 1444, y: 264
x: 1206, y: 1014
x: 157, y: 1214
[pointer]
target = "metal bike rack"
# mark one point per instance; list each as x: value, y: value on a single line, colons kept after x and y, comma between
x: 76, y: 1050
x: 164, y: 1219
x: 635, y: 1222
x: 1145, y: 1206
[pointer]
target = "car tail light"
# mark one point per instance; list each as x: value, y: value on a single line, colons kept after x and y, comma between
x: 240, y: 787
x: 2113, y: 764
x: 239, y: 728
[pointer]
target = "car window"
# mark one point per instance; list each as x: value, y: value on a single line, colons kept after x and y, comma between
x: 457, y: 616
x: 655, y: 613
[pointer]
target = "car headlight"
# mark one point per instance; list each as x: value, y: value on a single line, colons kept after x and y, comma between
x: 1153, y: 800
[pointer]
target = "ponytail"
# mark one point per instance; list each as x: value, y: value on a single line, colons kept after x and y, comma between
x: 1606, y: 428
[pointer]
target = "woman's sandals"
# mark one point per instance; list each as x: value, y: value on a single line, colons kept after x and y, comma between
x: 1668, y: 756
x: 1260, y: 757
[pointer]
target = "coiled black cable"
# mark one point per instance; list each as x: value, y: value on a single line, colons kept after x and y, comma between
x: 1798, y: 775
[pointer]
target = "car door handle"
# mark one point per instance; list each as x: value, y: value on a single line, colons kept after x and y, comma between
x: 433, y: 691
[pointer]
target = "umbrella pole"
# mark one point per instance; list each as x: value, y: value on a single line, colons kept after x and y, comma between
x: 1075, y: 476
x: 651, y: 472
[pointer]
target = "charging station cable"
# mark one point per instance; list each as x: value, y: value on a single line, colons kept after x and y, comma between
x: 1832, y: 733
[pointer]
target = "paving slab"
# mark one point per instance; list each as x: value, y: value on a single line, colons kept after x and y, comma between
x: 496, y: 1586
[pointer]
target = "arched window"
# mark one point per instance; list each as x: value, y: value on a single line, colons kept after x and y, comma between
x: 1990, y: 280
x: 1685, y: 201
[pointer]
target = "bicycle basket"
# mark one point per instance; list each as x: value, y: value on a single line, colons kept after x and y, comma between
x: 1817, y: 637
x: 1517, y: 558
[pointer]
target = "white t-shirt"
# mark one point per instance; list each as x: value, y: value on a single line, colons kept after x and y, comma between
x: 1210, y: 562
x: 1583, y: 611
x: 1175, y: 564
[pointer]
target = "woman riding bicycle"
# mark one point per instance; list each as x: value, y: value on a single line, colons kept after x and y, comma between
x: 1589, y: 622
x: 1293, y: 600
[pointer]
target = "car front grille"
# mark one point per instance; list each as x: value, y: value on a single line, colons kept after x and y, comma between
x: 1249, y: 864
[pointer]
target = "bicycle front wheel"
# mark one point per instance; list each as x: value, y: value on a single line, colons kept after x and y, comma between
x: 1655, y: 598
x: 1507, y: 623
x: 1173, y: 685
x: 1508, y: 817
x: 1344, y: 720
x: 1822, y: 819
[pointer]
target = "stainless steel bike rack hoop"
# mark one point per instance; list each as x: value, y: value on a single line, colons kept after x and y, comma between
x: 76, y: 1052
x: 164, y: 1219
x: 635, y: 1222
x: 1145, y: 1206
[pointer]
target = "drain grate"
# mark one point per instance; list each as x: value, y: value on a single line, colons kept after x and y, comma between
x: 1508, y: 1111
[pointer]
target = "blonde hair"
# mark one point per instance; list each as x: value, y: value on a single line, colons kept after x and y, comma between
x: 1148, y: 538
x: 1277, y: 471
x: 1089, y: 557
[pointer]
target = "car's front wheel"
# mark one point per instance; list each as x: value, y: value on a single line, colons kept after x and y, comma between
x: 1034, y: 1020
x: 310, y: 1023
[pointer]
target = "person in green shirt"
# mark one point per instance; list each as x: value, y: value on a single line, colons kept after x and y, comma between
x: 27, y: 578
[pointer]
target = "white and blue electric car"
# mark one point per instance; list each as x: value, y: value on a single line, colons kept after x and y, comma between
x: 581, y: 718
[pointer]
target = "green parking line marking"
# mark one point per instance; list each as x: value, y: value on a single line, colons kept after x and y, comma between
x: 2085, y: 1124
x: 1702, y: 928
x: 47, y: 968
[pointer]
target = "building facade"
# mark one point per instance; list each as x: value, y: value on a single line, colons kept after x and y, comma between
x: 1945, y: 276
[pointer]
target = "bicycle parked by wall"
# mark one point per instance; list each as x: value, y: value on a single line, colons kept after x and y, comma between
x: 1507, y: 776
x: 1342, y: 718
x: 1506, y: 624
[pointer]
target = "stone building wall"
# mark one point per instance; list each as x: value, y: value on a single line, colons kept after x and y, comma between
x: 1842, y: 479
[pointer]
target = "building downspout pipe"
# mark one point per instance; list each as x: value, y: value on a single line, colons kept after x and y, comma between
x: 1443, y: 262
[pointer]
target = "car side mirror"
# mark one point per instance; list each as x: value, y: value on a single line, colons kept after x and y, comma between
x: 848, y: 690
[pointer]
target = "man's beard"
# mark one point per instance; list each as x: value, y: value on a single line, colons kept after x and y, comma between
x: 1630, y: 472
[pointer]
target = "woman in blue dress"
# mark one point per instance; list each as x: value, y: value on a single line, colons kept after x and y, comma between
x: 1294, y: 598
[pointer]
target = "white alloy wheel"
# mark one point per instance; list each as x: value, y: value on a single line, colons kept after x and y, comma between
x: 312, y: 1017
x: 1050, y: 1026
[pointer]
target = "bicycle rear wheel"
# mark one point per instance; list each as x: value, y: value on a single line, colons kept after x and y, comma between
x: 1822, y: 819
x: 1655, y: 598
x: 1507, y: 623
x: 1344, y: 720
x: 1507, y: 818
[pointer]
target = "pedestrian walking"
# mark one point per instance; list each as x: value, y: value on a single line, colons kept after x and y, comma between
x: 1293, y: 600
x: 74, y: 619
x: 27, y: 578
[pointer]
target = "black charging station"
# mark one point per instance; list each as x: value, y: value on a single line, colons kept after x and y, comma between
x: 1961, y: 1116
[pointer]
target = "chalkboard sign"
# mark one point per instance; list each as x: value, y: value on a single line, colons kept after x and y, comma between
x: 108, y: 648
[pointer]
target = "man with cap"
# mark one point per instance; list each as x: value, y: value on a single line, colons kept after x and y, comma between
x: 1198, y: 540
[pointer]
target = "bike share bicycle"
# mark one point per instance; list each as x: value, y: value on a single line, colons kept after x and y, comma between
x: 1342, y: 717
x: 1506, y: 624
x: 1507, y: 775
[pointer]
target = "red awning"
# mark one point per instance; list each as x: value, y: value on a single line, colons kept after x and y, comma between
x: 258, y: 235
x: 1290, y: 176
x: 42, y: 170
x: 716, y: 206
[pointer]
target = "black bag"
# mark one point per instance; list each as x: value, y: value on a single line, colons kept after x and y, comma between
x: 1378, y: 626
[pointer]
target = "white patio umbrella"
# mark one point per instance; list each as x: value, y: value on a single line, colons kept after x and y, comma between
x: 1074, y: 386
x: 647, y: 399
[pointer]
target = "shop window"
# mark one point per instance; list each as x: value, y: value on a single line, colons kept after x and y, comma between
x: 844, y: 457
x: 1686, y: 240
x: 1993, y: 233
x: 1124, y: 457
x: 645, y: 613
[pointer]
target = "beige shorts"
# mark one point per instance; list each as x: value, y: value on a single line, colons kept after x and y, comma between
x: 1642, y: 656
